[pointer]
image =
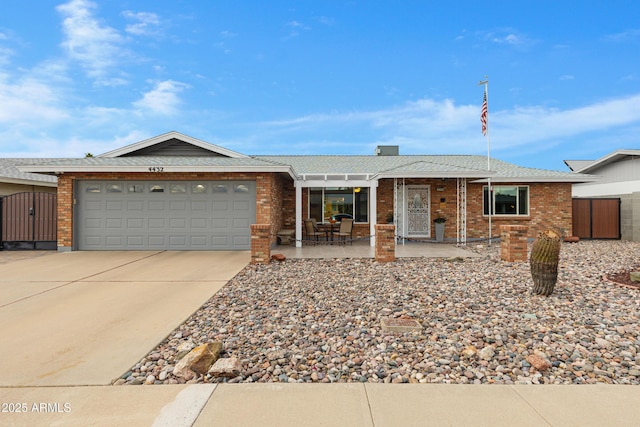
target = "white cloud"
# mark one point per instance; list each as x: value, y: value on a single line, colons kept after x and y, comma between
x: 28, y: 101
x: 295, y: 27
x: 430, y: 126
x: 95, y: 46
x: 625, y: 36
x: 507, y: 37
x: 163, y: 98
x: 145, y: 23
x: 228, y: 34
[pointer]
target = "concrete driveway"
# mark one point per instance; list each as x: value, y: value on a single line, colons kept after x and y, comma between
x: 84, y: 318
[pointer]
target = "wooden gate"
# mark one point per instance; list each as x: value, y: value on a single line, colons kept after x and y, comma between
x: 596, y: 218
x: 29, y: 221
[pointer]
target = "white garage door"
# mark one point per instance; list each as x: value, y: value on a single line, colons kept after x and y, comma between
x: 172, y: 215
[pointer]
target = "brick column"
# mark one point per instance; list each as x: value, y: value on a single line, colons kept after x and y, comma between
x: 260, y: 244
x: 513, y: 243
x: 385, y: 242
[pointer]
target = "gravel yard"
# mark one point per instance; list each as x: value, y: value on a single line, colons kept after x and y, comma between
x: 319, y: 320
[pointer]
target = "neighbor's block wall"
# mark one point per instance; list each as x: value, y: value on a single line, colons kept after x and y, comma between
x: 269, y: 188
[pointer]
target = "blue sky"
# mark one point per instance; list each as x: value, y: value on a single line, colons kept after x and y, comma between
x: 322, y: 77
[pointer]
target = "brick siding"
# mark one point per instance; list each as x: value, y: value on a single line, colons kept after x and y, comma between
x: 549, y: 203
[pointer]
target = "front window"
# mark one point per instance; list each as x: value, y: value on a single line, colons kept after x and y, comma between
x: 325, y: 203
x: 506, y: 200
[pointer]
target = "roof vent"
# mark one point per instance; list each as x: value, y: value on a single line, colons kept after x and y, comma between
x: 387, y: 150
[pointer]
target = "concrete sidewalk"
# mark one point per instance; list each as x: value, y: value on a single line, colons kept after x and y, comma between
x: 294, y: 405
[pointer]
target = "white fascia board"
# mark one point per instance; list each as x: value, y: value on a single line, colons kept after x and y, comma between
x: 172, y: 135
x: 335, y: 183
x: 155, y: 168
x: 28, y: 182
x: 435, y: 175
x: 571, y: 179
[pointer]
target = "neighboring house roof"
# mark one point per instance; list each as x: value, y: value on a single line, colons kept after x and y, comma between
x: 212, y: 158
x: 589, y: 166
x: 575, y: 165
x: 9, y: 173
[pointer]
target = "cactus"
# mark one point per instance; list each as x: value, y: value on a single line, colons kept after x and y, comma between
x: 545, y: 255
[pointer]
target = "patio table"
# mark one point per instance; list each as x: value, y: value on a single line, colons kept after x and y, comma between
x: 329, y: 227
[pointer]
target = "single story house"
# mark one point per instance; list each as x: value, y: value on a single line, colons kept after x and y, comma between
x: 176, y: 192
x: 618, y: 176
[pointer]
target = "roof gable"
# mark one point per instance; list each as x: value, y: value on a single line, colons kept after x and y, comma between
x: 173, y: 144
x: 613, y: 157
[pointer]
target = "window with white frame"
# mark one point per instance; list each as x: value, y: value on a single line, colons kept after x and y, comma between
x: 506, y: 200
x: 328, y: 202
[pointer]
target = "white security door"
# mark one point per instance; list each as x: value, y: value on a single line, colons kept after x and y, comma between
x: 169, y: 215
x: 417, y: 207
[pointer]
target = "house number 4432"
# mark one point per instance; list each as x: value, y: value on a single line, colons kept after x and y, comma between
x: 156, y: 169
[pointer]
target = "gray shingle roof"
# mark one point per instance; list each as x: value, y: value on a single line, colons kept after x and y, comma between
x: 9, y: 172
x: 381, y: 166
x: 415, y: 165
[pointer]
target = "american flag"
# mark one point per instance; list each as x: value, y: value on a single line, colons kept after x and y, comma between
x: 483, y: 114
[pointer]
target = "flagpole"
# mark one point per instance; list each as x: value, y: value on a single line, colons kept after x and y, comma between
x: 484, y: 118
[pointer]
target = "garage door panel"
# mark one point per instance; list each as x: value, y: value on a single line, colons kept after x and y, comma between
x: 90, y: 223
x: 156, y: 222
x: 178, y: 242
x: 112, y: 223
x: 178, y: 205
x: 199, y: 242
x: 241, y: 240
x: 198, y: 223
x: 220, y: 241
x: 156, y: 205
x: 220, y: 206
x: 135, y: 240
x: 135, y: 205
x: 157, y: 240
x: 241, y: 205
x: 177, y: 224
x: 94, y: 205
x: 114, y: 241
x: 199, y: 205
x: 133, y: 223
x: 241, y: 223
x: 114, y: 205
x: 196, y: 215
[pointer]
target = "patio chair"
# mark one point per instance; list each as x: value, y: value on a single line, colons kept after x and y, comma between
x: 312, y: 233
x: 345, y: 230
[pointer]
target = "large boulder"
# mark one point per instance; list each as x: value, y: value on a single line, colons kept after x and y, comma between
x: 198, y: 361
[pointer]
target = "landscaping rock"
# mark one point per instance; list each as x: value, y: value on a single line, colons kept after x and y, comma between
x: 318, y: 320
x: 198, y: 361
x: 228, y: 367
